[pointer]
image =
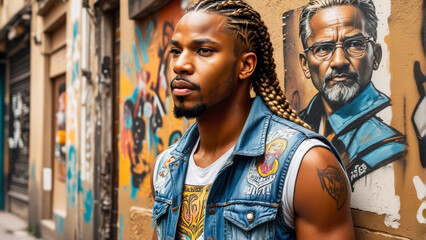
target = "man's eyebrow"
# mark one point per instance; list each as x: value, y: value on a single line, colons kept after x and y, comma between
x: 196, y: 42
x: 204, y: 40
x: 353, y: 36
x: 174, y: 42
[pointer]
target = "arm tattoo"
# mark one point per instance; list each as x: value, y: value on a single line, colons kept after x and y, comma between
x: 334, y: 183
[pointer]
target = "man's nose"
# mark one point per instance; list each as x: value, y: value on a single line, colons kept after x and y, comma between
x: 339, y: 58
x: 183, y: 64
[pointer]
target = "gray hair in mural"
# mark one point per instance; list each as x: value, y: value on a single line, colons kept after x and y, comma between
x: 366, y: 6
x: 339, y: 53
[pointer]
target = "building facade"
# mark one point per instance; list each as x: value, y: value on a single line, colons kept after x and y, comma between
x: 86, y: 105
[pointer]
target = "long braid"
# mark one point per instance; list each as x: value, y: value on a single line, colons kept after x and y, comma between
x: 252, y: 35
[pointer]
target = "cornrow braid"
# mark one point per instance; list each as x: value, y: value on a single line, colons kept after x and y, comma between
x: 252, y: 35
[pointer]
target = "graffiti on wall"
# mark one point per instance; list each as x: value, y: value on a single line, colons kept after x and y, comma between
x: 148, y: 125
x: 77, y: 195
x: 419, y: 123
x: 19, y: 109
x: 72, y: 180
x: 418, y: 117
x: 341, y: 88
x: 346, y: 104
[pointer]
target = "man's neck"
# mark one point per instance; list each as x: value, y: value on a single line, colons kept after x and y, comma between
x: 325, y: 128
x: 330, y: 108
x: 220, y: 128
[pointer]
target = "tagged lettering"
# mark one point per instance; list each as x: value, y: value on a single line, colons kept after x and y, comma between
x: 359, y: 170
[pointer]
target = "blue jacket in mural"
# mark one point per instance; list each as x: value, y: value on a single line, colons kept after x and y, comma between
x: 250, y: 182
x: 363, y: 140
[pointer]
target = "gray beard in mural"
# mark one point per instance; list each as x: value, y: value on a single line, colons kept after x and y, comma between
x: 341, y: 92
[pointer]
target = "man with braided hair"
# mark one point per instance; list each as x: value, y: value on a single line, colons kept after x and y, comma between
x: 248, y: 168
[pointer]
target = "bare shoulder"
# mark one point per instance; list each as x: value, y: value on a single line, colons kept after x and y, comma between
x: 322, y: 197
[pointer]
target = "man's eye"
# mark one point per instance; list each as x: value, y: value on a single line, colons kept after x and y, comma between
x: 355, y: 44
x: 326, y: 48
x: 205, y: 51
x: 174, y: 51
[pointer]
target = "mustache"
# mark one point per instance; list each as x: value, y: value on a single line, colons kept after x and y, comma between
x: 185, y: 80
x: 349, y: 74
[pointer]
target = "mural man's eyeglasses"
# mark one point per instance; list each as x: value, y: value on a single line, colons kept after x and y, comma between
x: 353, y: 47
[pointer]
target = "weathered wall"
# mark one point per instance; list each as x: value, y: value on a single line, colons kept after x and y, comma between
x: 9, y: 9
x: 80, y: 122
x: 147, y: 124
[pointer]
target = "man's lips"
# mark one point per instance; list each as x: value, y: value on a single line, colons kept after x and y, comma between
x: 341, y: 77
x: 182, y: 87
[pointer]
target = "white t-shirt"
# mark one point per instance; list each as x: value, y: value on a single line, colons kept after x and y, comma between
x: 199, y: 180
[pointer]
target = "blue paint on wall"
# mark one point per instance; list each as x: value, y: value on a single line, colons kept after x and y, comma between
x: 2, y: 78
x: 134, y: 190
x: 144, y: 44
x: 136, y: 57
x: 121, y: 226
x: 125, y: 65
x: 74, y: 34
x: 75, y: 71
x: 59, y: 224
x: 88, y: 206
x: 71, y: 176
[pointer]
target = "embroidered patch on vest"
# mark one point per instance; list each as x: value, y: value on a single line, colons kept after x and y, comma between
x: 269, y: 165
x: 164, y: 170
x: 258, y: 184
x: 262, y: 173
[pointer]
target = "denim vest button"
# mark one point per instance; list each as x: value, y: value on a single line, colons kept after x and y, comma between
x: 156, y: 211
x: 176, y: 164
x: 211, y: 211
x: 250, y: 216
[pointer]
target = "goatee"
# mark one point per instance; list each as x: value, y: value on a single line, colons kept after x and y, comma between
x: 193, y: 112
x: 341, y: 92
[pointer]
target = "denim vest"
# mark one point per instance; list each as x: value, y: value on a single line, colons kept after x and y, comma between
x: 245, y: 199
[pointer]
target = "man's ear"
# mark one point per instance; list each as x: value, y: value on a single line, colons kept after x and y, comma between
x: 377, y: 56
x: 304, y: 65
x: 248, y: 62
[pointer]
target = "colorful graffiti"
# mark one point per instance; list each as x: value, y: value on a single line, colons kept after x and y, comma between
x: 72, y: 179
x: 418, y: 117
x: 346, y: 112
x: 342, y: 86
x: 358, y: 126
x: 72, y: 183
x: 148, y: 127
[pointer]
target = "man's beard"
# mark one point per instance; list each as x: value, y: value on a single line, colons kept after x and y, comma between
x: 341, y: 92
x: 193, y: 112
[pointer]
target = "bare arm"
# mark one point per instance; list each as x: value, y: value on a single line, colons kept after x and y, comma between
x: 322, y: 197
